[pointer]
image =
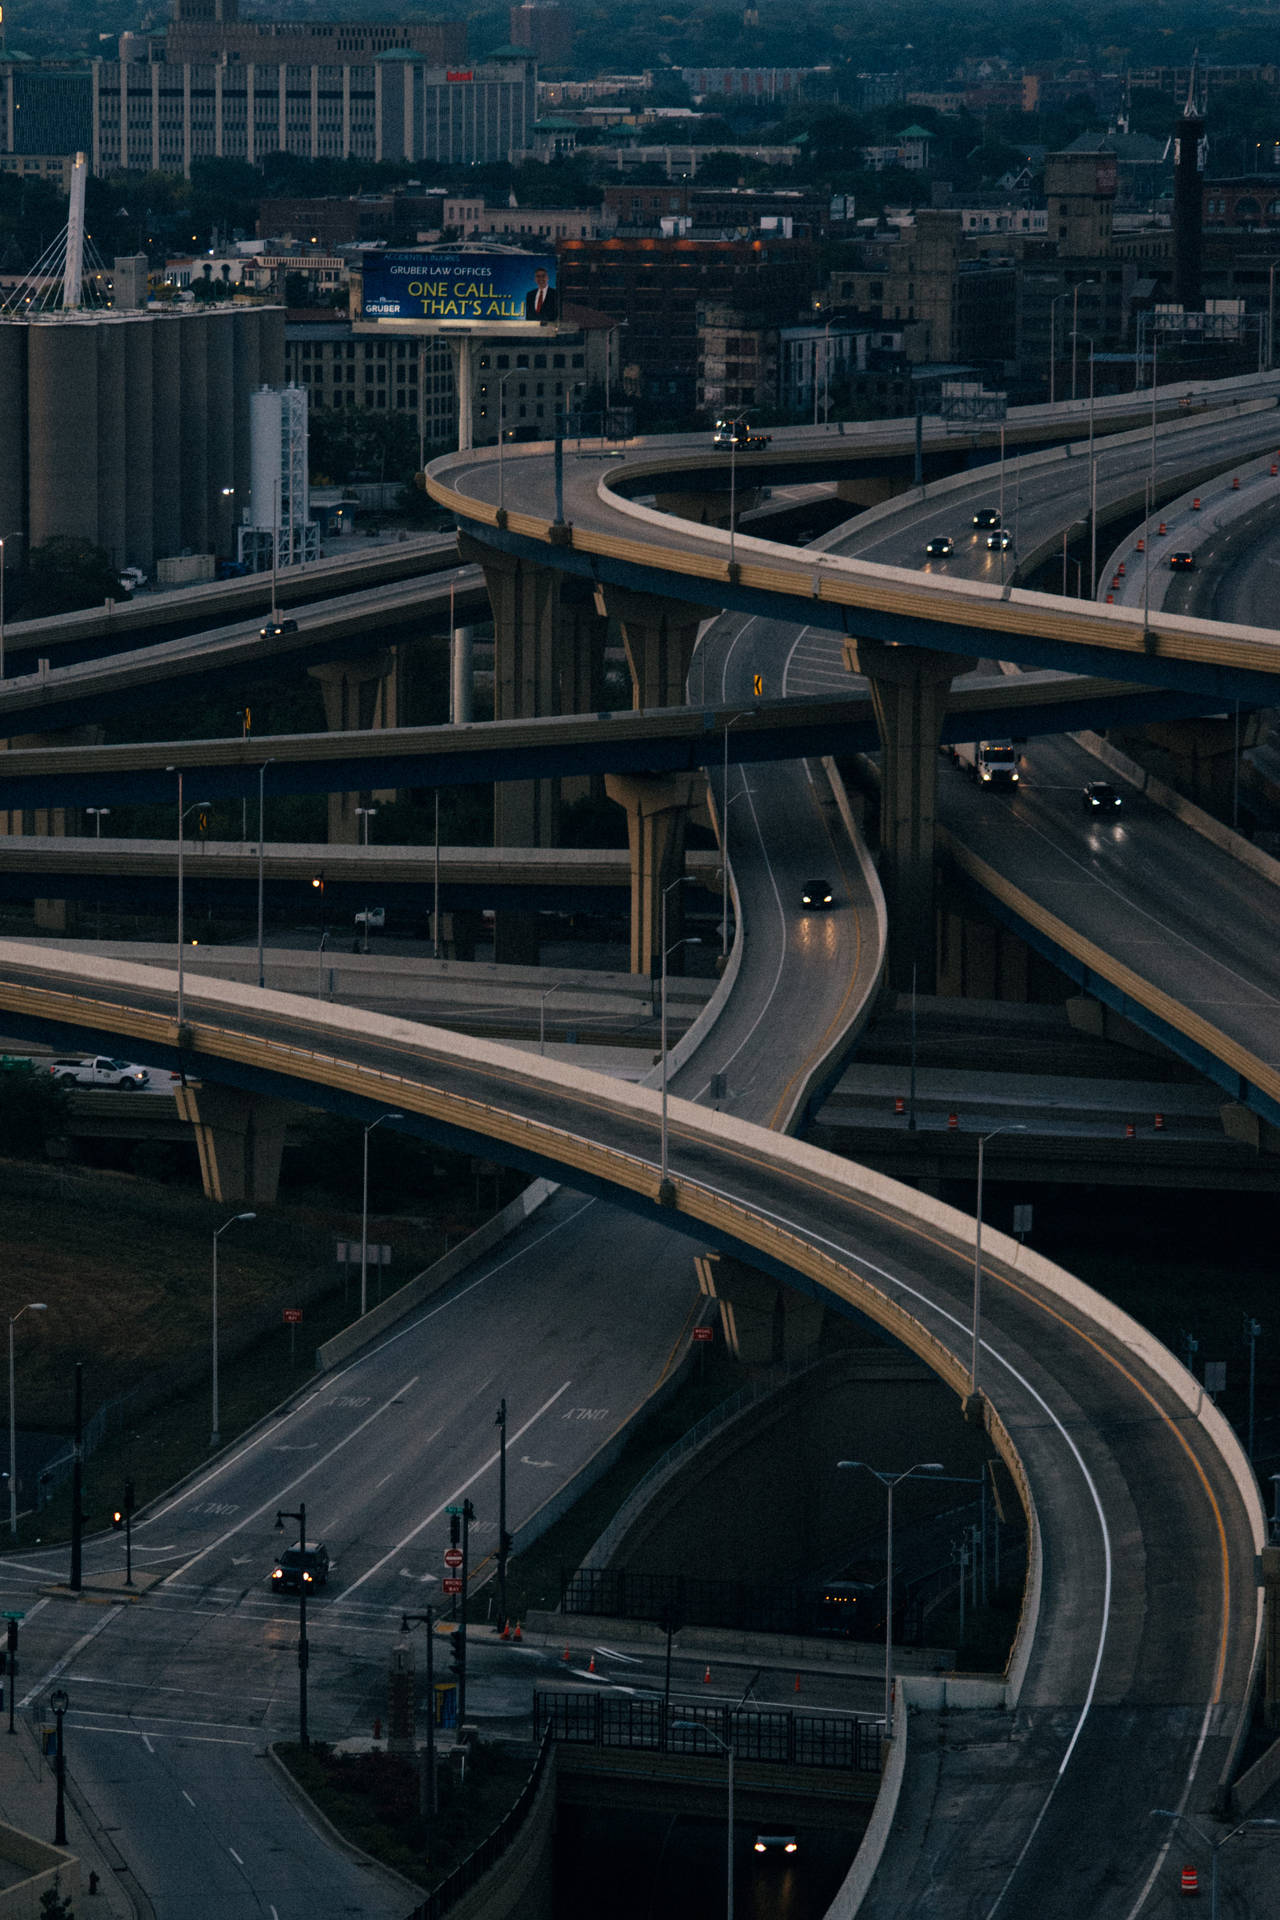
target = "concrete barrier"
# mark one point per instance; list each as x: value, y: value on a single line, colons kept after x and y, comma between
x: 381, y: 1318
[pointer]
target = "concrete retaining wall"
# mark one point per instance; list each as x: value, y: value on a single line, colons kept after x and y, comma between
x: 46, y: 1867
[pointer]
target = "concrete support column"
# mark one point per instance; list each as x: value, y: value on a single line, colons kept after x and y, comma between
x: 1271, y: 1637
x: 358, y: 694
x: 548, y: 659
x: 659, y: 636
x: 51, y: 916
x: 239, y: 1138
x: 762, y: 1322
x: 657, y: 807
x: 909, y: 688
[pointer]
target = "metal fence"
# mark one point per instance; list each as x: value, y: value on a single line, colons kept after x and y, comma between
x: 776, y: 1736
x: 621, y: 1593
x: 490, y: 1850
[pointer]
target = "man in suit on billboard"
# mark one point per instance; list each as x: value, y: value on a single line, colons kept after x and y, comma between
x: 540, y: 301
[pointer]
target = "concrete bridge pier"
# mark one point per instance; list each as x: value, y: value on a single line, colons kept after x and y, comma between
x: 659, y: 636
x: 909, y: 688
x: 51, y: 916
x: 548, y: 659
x: 657, y: 807
x: 358, y: 694
x: 762, y: 1322
x: 239, y: 1138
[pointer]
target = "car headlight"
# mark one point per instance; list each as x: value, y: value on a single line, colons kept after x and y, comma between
x: 306, y: 1579
x: 277, y: 1573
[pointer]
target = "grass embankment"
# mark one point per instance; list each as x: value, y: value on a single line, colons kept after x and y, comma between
x: 124, y: 1267
x: 373, y: 1800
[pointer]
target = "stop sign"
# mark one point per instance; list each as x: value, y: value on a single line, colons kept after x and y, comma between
x: 453, y: 1556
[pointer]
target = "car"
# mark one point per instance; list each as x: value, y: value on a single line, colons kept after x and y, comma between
x: 1182, y: 562
x: 1099, y: 796
x: 274, y: 629
x: 817, y: 893
x: 301, y: 1568
x: 999, y: 541
x: 100, y: 1070
x: 375, y: 918
x: 765, y: 1841
x: 986, y: 517
x: 131, y: 578
x: 940, y: 546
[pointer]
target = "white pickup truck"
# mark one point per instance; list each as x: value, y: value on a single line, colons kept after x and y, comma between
x: 97, y: 1070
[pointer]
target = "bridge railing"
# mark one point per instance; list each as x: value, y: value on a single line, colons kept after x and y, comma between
x: 770, y: 1736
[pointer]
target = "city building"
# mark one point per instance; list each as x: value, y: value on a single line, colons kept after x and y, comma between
x: 131, y: 428
x: 656, y: 289
x: 544, y: 30
x: 339, y: 367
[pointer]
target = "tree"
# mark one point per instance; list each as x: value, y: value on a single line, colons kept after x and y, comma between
x: 33, y: 1110
x: 65, y: 573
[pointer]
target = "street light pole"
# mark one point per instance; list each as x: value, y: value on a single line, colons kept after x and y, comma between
x: 364, y: 1209
x: 1215, y: 1846
x: 667, y: 951
x: 1013, y: 1127
x: 889, y: 1481
x: 215, y: 1437
x: 700, y: 1726
x: 58, y: 1705
x: 304, y: 1651
x: 367, y: 814
x: 262, y: 978
x: 8, y: 536
x: 542, y: 1012
x: 32, y: 1306
x: 197, y: 806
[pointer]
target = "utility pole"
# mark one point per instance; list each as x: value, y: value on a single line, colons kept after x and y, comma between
x: 429, y: 1802
x: 77, y: 1479
x: 504, y: 1541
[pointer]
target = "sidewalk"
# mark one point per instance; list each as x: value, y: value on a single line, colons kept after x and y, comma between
x: 28, y: 1801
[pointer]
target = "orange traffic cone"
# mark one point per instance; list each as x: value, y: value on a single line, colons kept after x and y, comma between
x: 506, y: 1630
x: 1235, y: 484
x: 565, y: 1655
x: 517, y: 1635
x: 591, y: 1664
x: 1195, y: 504
x: 706, y: 1678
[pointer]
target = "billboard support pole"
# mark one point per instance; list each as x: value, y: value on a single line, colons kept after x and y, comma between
x: 559, y: 468
x: 462, y: 376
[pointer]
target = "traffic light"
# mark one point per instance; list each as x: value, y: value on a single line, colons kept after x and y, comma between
x: 455, y: 1529
x: 117, y: 1519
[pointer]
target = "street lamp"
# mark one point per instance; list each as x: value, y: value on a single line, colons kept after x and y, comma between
x: 724, y: 836
x: 667, y: 951
x: 1054, y: 304
x: 58, y: 1705
x: 303, y: 1649
x: 1014, y: 1126
x: 1093, y: 470
x: 889, y: 1481
x: 96, y: 814
x: 502, y: 402
x: 262, y: 978
x: 1215, y: 1846
x: 32, y: 1306
x: 697, y: 1726
x: 215, y: 1437
x: 542, y: 1012
x: 364, y: 1208
x: 197, y: 806
x: 365, y: 814
x: 733, y: 482
x: 8, y: 536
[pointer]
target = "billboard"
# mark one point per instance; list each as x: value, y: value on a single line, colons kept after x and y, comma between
x: 469, y: 289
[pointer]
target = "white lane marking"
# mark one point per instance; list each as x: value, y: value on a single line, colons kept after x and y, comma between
x: 611, y: 1653
x: 408, y: 1539
x: 196, y: 1739
x: 235, y: 1856
x: 259, y: 1442
x: 858, y: 1261
x: 284, y: 1491
x: 146, y: 1741
x: 186, y: 1796
x: 60, y: 1666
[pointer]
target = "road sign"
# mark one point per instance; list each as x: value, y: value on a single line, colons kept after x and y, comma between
x: 293, y: 1316
x: 451, y: 1584
x: 704, y: 1333
x: 453, y: 1556
x: 757, y: 686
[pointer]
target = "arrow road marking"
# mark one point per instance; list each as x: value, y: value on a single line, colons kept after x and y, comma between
x: 525, y: 1461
